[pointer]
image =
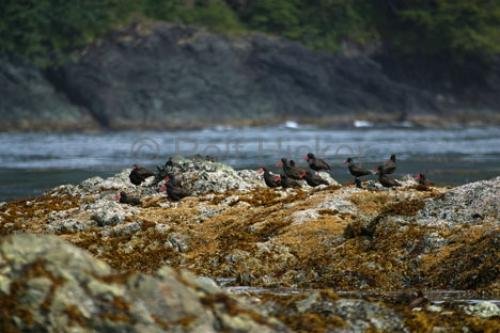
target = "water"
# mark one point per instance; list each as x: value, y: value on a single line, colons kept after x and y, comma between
x: 436, y: 296
x: 33, y: 162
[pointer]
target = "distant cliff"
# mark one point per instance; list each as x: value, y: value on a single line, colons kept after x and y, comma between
x: 166, y: 76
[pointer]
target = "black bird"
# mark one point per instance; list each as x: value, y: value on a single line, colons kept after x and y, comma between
x: 389, y: 165
x: 139, y: 174
x: 296, y: 168
x: 287, y: 182
x: 170, y: 163
x: 270, y: 180
x: 173, y: 180
x: 385, y: 180
x: 161, y: 173
x: 422, y: 180
x: 356, y: 170
x: 125, y: 198
x: 174, y: 192
x: 314, y: 180
x: 292, y: 172
x: 317, y: 164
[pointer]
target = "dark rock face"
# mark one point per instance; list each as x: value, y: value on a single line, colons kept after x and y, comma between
x: 171, y: 75
x: 168, y: 76
x: 29, y: 101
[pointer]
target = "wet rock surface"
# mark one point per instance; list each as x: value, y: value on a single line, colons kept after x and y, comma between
x: 315, y: 243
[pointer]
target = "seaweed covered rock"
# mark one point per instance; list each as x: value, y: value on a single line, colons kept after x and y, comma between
x: 468, y: 204
x: 47, y: 284
x: 301, y: 311
x: 241, y: 233
x: 361, y: 315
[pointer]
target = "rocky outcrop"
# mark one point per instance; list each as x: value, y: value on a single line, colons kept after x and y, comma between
x: 29, y: 101
x: 167, y: 76
x: 48, y: 285
x: 332, y: 258
x: 157, y: 75
x: 470, y: 203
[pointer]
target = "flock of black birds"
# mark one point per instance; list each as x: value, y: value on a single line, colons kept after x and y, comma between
x: 290, y: 176
x: 166, y: 173
x: 292, y: 173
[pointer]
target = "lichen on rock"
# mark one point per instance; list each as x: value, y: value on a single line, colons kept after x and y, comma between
x: 49, y: 285
x: 234, y: 229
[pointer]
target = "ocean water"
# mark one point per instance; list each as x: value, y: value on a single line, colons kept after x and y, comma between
x: 31, y: 163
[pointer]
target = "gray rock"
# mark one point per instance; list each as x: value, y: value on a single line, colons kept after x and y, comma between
x: 433, y: 241
x: 468, y: 204
x: 303, y: 216
x: 125, y: 229
x: 200, y: 176
x: 361, y: 315
x: 308, y: 302
x: 207, y: 212
x: 60, y: 288
x: 178, y: 242
x: 162, y: 228
x: 483, y: 309
x: 328, y: 177
x: 340, y: 202
x: 110, y: 212
x: 67, y: 226
x: 91, y: 183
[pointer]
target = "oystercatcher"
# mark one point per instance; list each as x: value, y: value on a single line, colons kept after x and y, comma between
x: 422, y: 180
x: 292, y: 172
x: 314, y: 180
x: 174, y: 192
x: 356, y: 170
x: 271, y: 181
x: 139, y: 174
x: 317, y: 164
x: 385, y: 180
x: 287, y: 182
x: 389, y: 165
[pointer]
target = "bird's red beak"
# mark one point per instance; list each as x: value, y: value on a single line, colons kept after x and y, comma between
x: 279, y: 164
x: 306, y: 158
x: 117, y: 197
x: 163, y: 188
x: 277, y: 178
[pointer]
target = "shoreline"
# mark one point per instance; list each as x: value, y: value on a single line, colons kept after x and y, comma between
x: 367, y: 121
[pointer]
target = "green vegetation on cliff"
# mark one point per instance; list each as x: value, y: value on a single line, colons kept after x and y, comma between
x: 47, y: 31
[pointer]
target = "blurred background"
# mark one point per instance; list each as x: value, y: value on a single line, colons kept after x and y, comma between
x: 88, y: 88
